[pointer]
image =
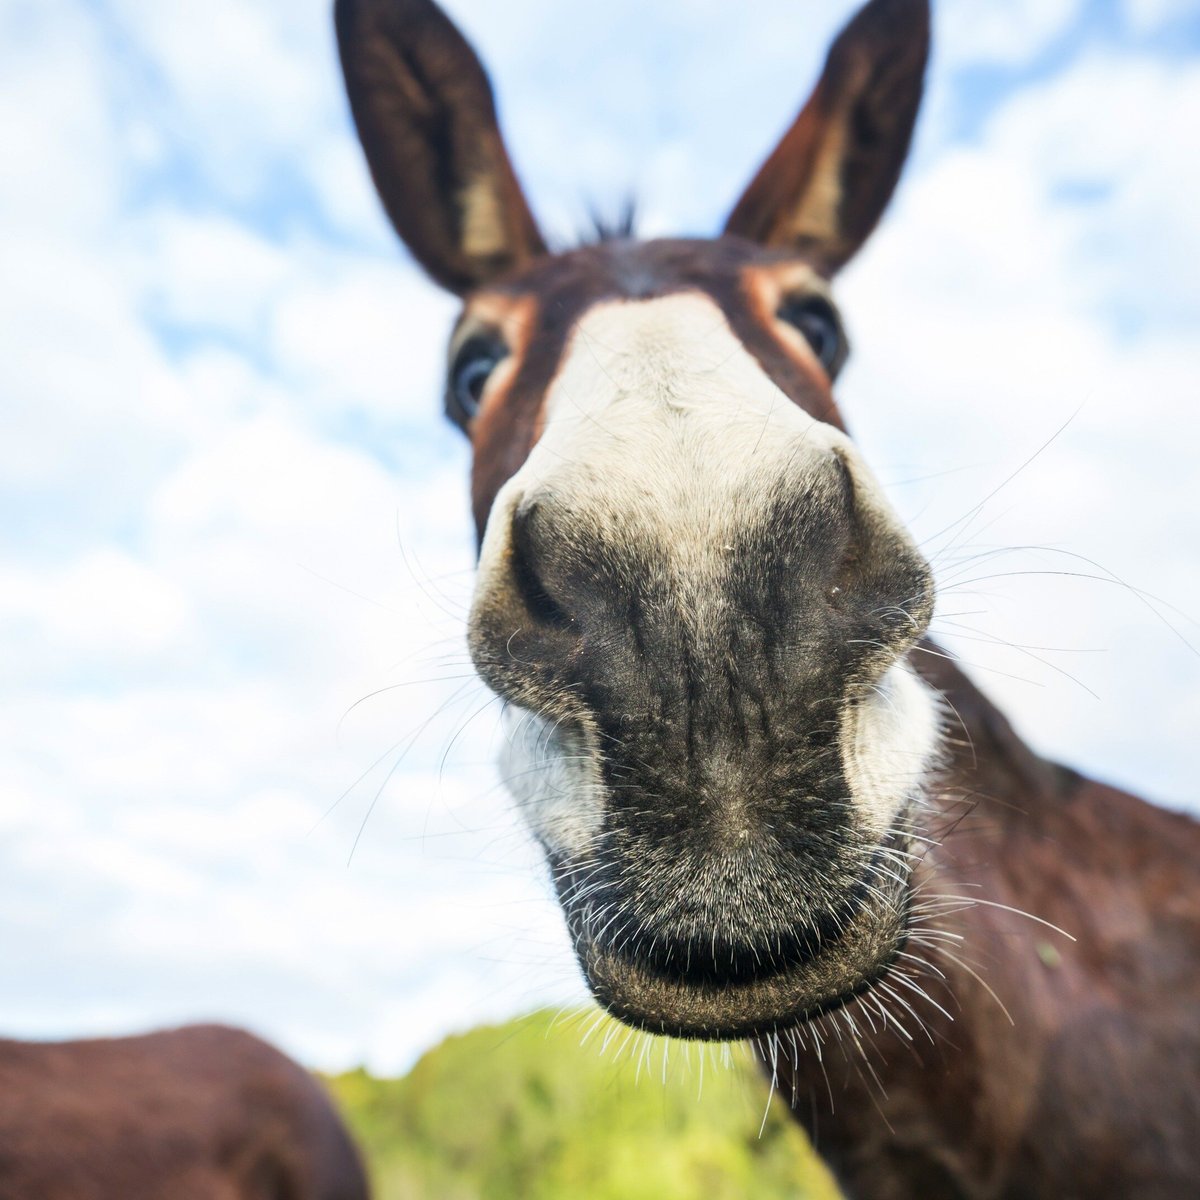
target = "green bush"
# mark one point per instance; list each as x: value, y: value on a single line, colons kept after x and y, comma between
x: 524, y: 1111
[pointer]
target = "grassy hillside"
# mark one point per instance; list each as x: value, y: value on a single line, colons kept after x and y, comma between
x: 524, y: 1111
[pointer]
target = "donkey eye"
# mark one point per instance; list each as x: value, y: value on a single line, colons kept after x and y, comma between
x: 469, y: 373
x: 814, y: 317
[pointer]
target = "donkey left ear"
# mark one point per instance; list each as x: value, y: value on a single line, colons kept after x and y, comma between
x: 826, y: 184
x: 423, y: 106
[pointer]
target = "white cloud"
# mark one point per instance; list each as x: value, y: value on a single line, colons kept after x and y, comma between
x: 1149, y: 16
x: 106, y: 610
x: 211, y: 271
x: 86, y: 381
x: 56, y: 124
x: 238, y: 89
x: 1012, y: 34
x: 1085, y: 134
x: 369, y: 336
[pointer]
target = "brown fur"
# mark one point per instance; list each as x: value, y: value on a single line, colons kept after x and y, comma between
x: 200, y: 1113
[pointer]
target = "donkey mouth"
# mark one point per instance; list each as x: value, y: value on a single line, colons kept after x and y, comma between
x: 761, y: 984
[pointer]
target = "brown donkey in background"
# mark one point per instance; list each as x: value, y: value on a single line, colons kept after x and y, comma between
x: 756, y: 801
x: 200, y: 1113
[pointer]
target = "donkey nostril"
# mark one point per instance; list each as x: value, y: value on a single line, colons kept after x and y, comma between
x: 532, y: 591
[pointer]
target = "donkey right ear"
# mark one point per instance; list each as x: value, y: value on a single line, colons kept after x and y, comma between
x: 427, y: 121
x: 826, y: 184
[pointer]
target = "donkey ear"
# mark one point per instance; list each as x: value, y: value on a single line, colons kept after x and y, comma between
x: 427, y: 121
x: 826, y: 184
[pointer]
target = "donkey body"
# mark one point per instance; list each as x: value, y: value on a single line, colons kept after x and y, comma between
x: 199, y: 1113
x: 767, y: 813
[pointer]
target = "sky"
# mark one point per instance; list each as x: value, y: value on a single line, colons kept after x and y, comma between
x: 245, y: 771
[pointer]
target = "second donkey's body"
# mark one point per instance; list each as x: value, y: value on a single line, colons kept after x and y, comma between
x: 199, y: 1113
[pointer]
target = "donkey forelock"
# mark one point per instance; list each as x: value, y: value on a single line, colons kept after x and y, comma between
x: 691, y: 593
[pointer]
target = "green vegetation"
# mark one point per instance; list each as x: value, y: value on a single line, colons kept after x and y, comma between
x: 524, y: 1111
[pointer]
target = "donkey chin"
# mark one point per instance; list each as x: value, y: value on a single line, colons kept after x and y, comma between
x: 713, y: 730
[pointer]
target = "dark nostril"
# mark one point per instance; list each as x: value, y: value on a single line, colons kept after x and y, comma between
x: 533, y: 593
x: 880, y: 579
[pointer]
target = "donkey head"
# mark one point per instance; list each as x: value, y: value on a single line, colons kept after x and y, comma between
x: 691, y: 592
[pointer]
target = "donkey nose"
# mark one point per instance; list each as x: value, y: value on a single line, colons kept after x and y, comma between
x: 524, y: 631
x: 545, y: 585
x: 582, y: 601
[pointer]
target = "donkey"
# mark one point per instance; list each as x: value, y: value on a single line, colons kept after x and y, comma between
x: 770, y: 809
x: 199, y: 1113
